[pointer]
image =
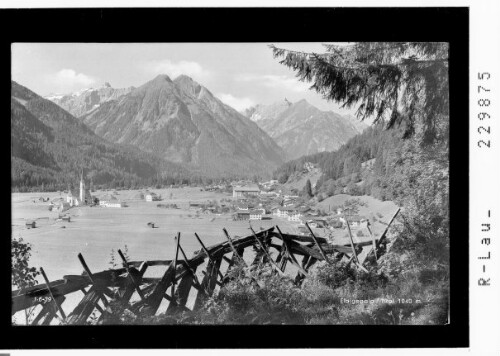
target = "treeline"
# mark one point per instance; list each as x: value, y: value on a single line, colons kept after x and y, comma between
x: 377, y: 162
x: 357, y: 167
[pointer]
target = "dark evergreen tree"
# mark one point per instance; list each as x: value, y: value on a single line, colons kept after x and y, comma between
x: 394, y: 82
x: 308, y: 189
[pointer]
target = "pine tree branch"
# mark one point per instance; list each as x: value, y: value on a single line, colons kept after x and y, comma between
x: 281, y: 52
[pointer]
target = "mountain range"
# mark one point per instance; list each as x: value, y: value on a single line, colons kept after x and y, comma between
x: 163, y: 128
x: 302, y: 129
x: 182, y: 121
x: 50, y: 146
x: 83, y: 101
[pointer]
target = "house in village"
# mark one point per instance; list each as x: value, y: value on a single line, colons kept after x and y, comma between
x: 283, y: 211
x: 294, y: 215
x: 243, y: 206
x: 242, y: 215
x: 245, y: 191
x: 71, y: 199
x: 63, y: 206
x: 289, y: 212
x: 114, y: 205
x: 249, y: 214
x: 274, y: 209
x: 151, y: 196
x: 256, y: 214
x: 354, y: 220
x: 110, y: 201
x: 272, y: 183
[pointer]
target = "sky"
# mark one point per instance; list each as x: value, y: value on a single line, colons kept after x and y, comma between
x: 240, y: 74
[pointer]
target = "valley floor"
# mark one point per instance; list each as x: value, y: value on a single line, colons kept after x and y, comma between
x: 96, y: 231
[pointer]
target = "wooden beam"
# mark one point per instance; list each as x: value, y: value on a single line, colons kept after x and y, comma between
x: 61, y: 311
x: 86, y: 268
x: 307, y: 262
x: 321, y: 240
x: 301, y: 238
x: 354, y: 253
x: 299, y: 277
x: 188, y: 266
x: 177, y: 244
x: 212, y: 281
x: 232, y: 246
x: 48, y: 312
x: 101, y: 288
x: 130, y: 275
x: 82, y: 311
x: 206, y: 251
x: 383, y: 236
x: 134, y: 283
x: 264, y: 250
x: 230, y: 266
x: 290, y: 255
x: 150, y: 305
x: 374, y: 242
x: 28, y: 297
x: 183, y: 289
x: 209, y: 281
x: 323, y: 254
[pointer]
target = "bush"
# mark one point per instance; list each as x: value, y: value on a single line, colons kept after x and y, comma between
x: 23, y: 275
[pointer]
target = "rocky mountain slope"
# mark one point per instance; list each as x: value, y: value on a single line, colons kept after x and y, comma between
x: 83, y: 101
x: 182, y: 121
x: 302, y: 129
x: 51, y: 146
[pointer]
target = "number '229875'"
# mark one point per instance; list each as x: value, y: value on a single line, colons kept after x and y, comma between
x: 484, y: 102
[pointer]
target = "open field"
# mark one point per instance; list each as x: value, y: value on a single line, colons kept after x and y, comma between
x: 95, y: 231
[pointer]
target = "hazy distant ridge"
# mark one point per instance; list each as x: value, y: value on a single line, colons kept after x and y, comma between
x: 302, y: 129
x: 83, y: 101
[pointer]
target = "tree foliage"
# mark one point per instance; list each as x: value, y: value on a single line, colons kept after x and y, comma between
x: 400, y: 83
x: 307, y: 192
x: 23, y: 276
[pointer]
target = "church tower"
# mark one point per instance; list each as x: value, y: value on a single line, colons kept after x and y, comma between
x: 82, y: 189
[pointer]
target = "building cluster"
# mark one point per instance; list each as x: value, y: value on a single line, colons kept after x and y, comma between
x: 252, y: 203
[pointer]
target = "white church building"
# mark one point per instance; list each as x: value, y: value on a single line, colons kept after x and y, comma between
x: 83, y: 197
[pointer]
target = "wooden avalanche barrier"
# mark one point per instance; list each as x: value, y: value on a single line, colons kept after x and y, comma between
x: 180, y: 278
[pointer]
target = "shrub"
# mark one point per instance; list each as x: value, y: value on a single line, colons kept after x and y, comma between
x: 23, y: 275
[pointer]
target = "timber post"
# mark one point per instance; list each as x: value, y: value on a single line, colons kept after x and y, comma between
x: 57, y: 305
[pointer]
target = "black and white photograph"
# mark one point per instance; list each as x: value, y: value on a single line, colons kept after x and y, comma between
x: 264, y: 183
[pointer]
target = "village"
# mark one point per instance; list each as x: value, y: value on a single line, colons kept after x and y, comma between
x: 243, y: 201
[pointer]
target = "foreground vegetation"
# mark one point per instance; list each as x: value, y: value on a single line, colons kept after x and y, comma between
x: 409, y: 295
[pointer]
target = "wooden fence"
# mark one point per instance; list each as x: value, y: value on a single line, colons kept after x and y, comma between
x: 180, y: 277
